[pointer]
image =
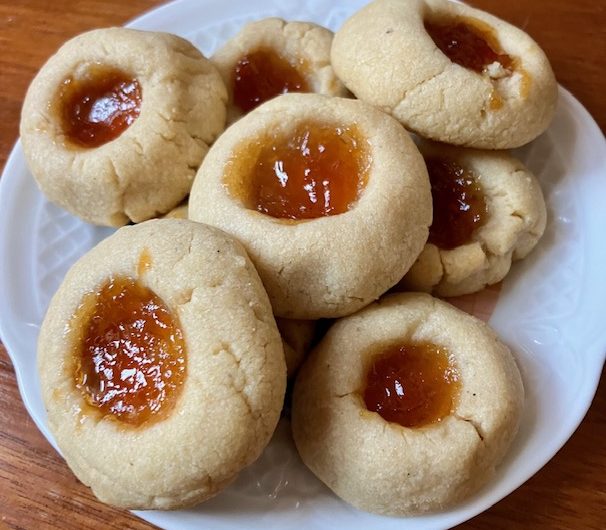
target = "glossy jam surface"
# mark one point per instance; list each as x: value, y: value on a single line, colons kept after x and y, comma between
x: 262, y: 75
x: 470, y: 43
x: 412, y: 384
x: 315, y: 170
x: 459, y: 204
x: 99, y: 107
x: 131, y: 358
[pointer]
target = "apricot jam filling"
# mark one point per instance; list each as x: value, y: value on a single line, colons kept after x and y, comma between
x: 412, y: 384
x: 130, y: 357
x: 313, y: 170
x: 99, y: 106
x: 468, y: 42
x: 459, y: 204
x: 262, y: 75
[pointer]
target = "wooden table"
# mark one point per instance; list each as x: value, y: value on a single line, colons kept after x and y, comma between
x: 38, y: 491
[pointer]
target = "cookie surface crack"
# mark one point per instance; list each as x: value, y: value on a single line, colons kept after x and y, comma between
x: 474, y: 424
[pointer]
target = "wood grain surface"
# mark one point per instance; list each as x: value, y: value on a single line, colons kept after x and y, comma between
x: 37, y: 490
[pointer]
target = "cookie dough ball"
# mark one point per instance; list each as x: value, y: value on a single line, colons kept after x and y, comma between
x: 297, y: 336
x: 448, y: 72
x: 329, y: 196
x: 161, y: 366
x: 488, y: 211
x: 407, y: 406
x: 117, y: 122
x: 271, y: 57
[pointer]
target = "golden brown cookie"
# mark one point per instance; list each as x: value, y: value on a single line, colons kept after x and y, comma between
x: 270, y: 57
x: 117, y: 122
x: 329, y: 196
x: 447, y: 71
x: 488, y: 211
x: 161, y: 366
x: 407, y: 406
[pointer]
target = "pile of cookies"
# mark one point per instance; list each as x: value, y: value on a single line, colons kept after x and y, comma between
x: 163, y: 356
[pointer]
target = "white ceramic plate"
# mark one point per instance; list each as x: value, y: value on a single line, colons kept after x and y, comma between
x: 550, y: 309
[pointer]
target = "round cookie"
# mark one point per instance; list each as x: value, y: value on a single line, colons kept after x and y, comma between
x: 332, y: 256
x: 286, y: 56
x: 513, y: 222
x: 117, y: 122
x: 386, y: 56
x: 381, y: 466
x: 196, y: 437
x: 297, y: 336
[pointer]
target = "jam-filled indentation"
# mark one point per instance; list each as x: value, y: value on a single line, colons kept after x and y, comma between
x: 262, y: 75
x: 459, y: 203
x: 412, y: 384
x: 98, y: 106
x: 313, y: 170
x: 130, y: 356
x: 468, y: 42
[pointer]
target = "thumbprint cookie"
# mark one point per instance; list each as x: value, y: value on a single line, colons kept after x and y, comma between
x: 270, y: 57
x: 448, y: 72
x: 115, y: 124
x: 329, y: 196
x: 488, y: 210
x: 407, y: 406
x: 161, y: 366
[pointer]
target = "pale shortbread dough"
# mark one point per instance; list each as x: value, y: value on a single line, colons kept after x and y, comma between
x: 149, y: 168
x: 385, y: 56
x: 302, y: 44
x: 330, y: 266
x: 231, y: 399
x: 297, y: 336
x: 515, y: 221
x: 382, y: 467
x: 180, y: 212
